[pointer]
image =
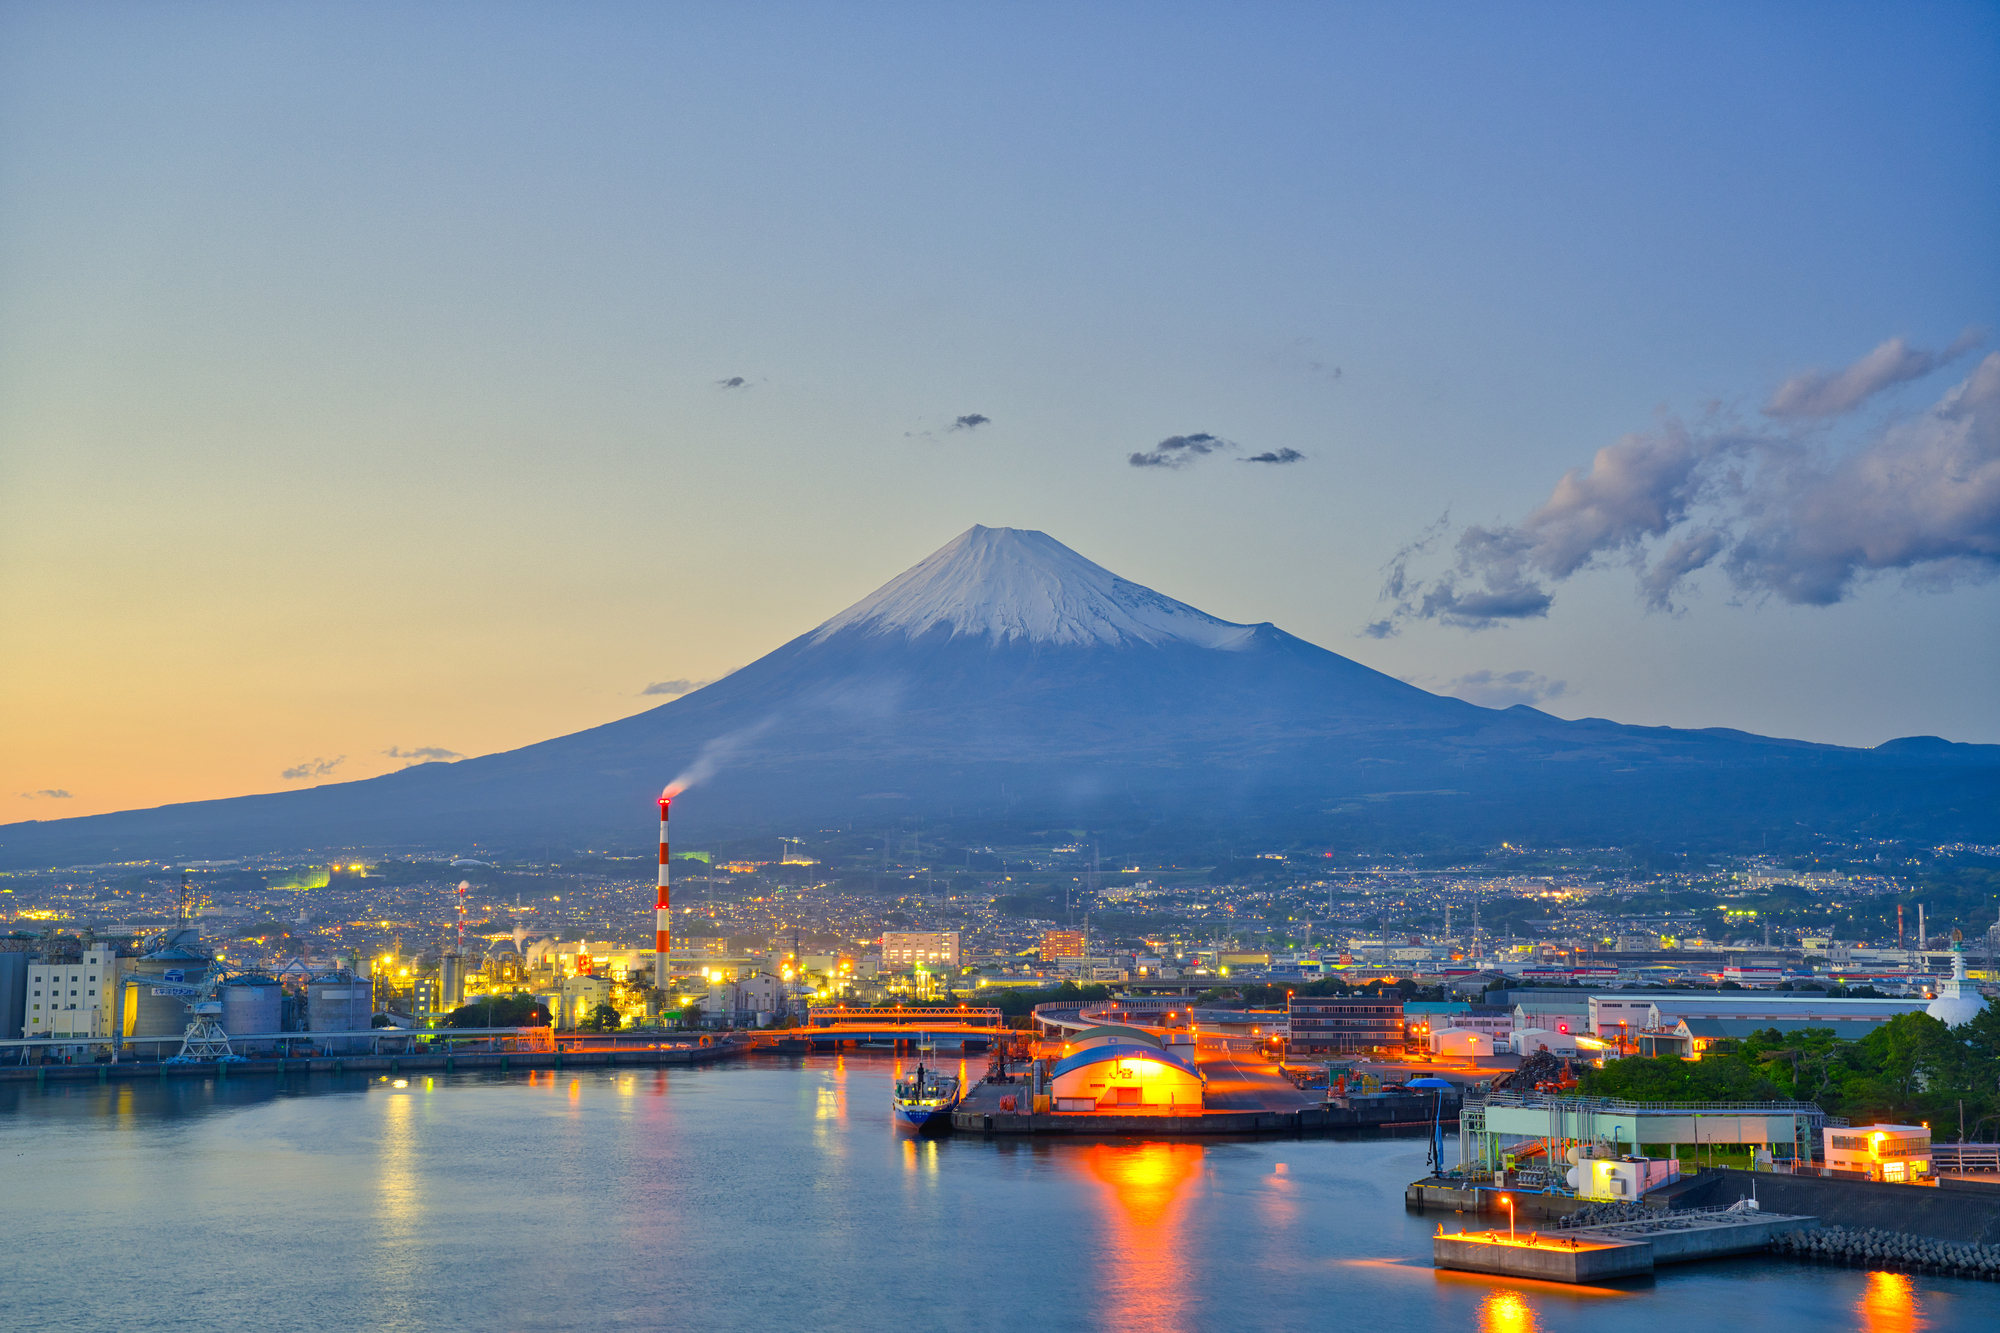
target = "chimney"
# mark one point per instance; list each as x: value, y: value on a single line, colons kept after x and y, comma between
x: 663, y: 906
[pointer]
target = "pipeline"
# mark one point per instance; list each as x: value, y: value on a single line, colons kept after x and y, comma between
x: 1895, y: 1250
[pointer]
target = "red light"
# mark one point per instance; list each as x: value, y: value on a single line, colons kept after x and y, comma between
x: 1562, y: 1027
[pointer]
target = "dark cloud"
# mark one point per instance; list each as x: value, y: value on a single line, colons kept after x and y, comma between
x: 424, y: 754
x: 1279, y: 456
x: 312, y: 768
x: 970, y: 421
x: 46, y: 794
x: 1180, y: 450
x: 675, y: 686
x: 733, y: 382
x: 1780, y: 514
x: 1504, y: 690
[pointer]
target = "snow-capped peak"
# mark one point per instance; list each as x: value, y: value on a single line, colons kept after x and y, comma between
x: 1012, y: 583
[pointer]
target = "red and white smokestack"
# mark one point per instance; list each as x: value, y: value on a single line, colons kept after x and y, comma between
x: 663, y: 921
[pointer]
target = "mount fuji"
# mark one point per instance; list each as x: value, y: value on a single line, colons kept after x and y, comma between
x: 1008, y: 677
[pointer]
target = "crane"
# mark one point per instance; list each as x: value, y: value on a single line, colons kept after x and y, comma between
x: 204, y: 1041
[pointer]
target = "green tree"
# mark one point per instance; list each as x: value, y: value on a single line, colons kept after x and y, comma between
x: 518, y: 1010
x: 603, y: 1018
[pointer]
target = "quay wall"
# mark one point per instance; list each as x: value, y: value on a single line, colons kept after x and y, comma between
x: 1956, y: 1210
x: 393, y: 1064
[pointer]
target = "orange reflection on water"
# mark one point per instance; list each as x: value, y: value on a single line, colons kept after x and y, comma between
x: 1506, y: 1312
x: 1890, y: 1305
x: 1143, y: 1265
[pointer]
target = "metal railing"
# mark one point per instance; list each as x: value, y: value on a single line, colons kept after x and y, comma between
x: 1545, y: 1099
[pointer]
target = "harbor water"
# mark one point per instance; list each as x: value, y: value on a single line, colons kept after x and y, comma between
x: 764, y: 1194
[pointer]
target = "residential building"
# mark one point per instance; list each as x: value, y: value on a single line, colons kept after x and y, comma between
x: 1061, y: 944
x: 906, y: 949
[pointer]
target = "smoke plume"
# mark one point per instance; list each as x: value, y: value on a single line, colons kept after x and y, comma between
x: 1780, y: 513
x: 716, y: 753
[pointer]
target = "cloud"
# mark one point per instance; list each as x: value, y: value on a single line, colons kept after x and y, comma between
x: 971, y: 421
x: 1489, y: 690
x: 1817, y: 394
x: 733, y: 382
x: 312, y: 768
x: 1180, y: 450
x: 46, y: 794
x: 1780, y: 513
x: 1280, y: 456
x: 675, y: 686
x: 424, y: 754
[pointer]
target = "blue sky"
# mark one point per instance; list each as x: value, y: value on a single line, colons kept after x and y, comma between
x: 360, y: 365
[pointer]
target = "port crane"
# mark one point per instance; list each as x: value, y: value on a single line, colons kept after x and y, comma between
x: 204, y: 1041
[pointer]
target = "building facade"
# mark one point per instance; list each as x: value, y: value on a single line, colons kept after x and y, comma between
x: 905, y: 949
x: 74, y: 999
x: 1338, y: 1025
x: 1061, y: 944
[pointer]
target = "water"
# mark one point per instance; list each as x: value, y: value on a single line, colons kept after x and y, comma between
x: 761, y: 1195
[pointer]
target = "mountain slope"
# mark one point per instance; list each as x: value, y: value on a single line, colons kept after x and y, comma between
x: 1008, y: 673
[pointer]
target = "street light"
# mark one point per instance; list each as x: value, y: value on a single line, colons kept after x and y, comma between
x: 1510, y: 1217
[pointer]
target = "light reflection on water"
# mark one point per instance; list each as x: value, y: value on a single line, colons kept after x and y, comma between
x: 1506, y: 1311
x: 1890, y: 1305
x: 765, y: 1195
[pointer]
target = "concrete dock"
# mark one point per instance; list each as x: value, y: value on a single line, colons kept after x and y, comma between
x: 1615, y: 1250
x: 1245, y: 1095
x: 1552, y: 1259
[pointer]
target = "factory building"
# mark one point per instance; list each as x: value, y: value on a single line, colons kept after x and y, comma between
x: 74, y: 998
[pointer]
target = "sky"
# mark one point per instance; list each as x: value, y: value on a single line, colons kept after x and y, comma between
x: 388, y: 383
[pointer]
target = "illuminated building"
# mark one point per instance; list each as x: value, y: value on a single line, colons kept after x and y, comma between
x: 1899, y: 1153
x: 1334, y: 1025
x: 1130, y: 1075
x: 1062, y: 944
x: 901, y: 949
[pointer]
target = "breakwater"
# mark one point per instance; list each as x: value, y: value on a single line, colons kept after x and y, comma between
x: 1895, y: 1250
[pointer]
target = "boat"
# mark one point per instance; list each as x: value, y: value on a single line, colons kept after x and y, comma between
x: 925, y: 1099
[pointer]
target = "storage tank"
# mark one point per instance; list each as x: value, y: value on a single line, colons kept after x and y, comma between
x: 150, y: 1015
x: 339, y: 1002
x: 252, y: 1005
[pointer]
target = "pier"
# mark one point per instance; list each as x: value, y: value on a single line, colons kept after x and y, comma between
x: 1615, y: 1249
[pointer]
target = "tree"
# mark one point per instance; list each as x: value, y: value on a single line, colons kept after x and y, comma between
x: 518, y: 1010
x: 603, y: 1018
